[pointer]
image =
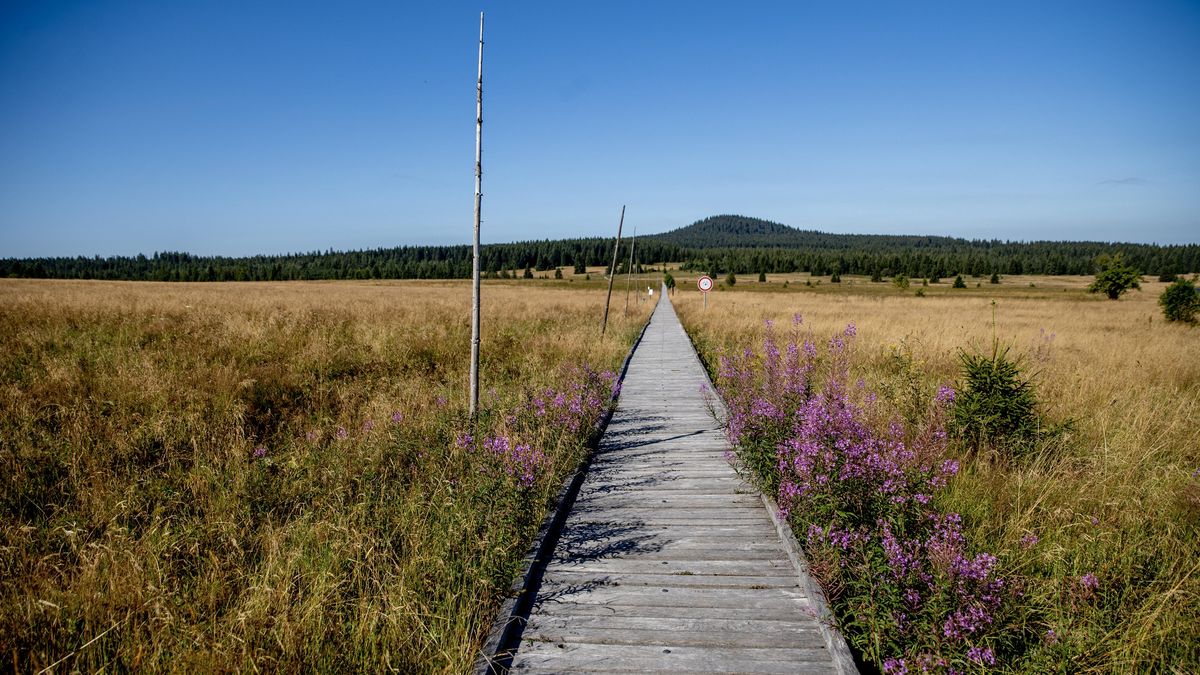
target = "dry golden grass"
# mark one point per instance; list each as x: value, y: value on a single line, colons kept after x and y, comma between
x: 1119, y: 497
x: 139, y: 531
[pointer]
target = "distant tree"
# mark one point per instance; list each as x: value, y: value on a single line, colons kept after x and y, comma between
x: 1167, y: 277
x: 995, y: 278
x: 762, y: 277
x: 900, y: 281
x: 1180, y: 302
x: 557, y: 272
x: 935, y: 279
x: 959, y: 282
x: 669, y: 281
x: 1115, y: 277
x: 580, y: 268
x: 528, y: 273
x: 835, y: 278
x: 876, y: 275
x: 731, y: 279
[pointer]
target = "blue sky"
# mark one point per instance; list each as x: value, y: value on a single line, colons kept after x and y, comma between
x: 249, y: 127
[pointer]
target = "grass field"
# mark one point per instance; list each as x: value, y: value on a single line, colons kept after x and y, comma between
x: 1117, y: 497
x: 243, y: 477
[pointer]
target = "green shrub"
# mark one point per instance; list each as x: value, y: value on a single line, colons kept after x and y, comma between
x: 835, y: 279
x: 959, y: 283
x: 1167, y: 277
x: 1115, y: 277
x: 995, y: 278
x: 900, y: 281
x: 762, y: 277
x: 1180, y: 301
x: 995, y: 405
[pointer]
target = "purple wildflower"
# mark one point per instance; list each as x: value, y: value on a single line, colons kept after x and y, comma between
x: 1089, y: 582
x: 982, y: 655
x: 341, y: 433
x: 260, y: 451
x: 945, y: 394
x: 1029, y: 541
x: 397, y: 417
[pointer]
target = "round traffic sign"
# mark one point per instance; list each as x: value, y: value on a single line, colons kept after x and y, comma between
x: 705, y: 283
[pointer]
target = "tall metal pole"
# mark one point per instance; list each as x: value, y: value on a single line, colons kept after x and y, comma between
x: 616, y: 247
x: 478, y: 206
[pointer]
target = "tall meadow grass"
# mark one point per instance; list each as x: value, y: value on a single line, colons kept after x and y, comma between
x: 241, y: 477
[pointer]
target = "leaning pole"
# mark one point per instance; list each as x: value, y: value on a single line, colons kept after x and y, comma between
x: 613, y: 274
x: 478, y: 205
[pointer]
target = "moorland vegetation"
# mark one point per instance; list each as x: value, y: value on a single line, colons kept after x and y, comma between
x: 280, y: 477
x: 981, y: 480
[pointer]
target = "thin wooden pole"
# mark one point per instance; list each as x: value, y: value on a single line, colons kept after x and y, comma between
x: 616, y: 247
x: 478, y: 210
x: 629, y: 277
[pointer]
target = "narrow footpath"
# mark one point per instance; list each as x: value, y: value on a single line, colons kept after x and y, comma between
x: 668, y: 561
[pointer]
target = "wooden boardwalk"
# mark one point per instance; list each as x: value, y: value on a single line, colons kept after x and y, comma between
x: 667, y: 560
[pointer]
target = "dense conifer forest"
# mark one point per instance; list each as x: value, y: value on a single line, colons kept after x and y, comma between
x: 716, y: 245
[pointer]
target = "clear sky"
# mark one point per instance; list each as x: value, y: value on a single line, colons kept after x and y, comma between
x: 247, y: 127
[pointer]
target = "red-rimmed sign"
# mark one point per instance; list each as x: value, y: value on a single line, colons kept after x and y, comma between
x: 704, y: 283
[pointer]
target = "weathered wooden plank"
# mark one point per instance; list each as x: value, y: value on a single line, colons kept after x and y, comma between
x: 567, y: 577
x: 575, y: 657
x: 592, y: 527
x: 652, y: 549
x: 752, y: 625
x: 644, y: 635
x: 635, y: 565
x: 792, y: 599
x: 572, y: 611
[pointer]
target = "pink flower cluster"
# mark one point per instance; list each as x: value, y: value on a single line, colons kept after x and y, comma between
x: 520, y: 461
x: 862, y: 484
x: 577, y: 406
x: 574, y: 409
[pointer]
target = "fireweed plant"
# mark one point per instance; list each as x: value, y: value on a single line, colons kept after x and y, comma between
x: 513, y: 446
x: 859, y: 486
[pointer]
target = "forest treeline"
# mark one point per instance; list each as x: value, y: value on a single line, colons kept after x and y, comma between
x: 716, y: 245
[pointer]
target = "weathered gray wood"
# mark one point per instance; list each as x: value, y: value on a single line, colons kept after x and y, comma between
x: 474, y: 378
x: 668, y: 561
x: 566, y: 577
x: 643, y: 635
x: 585, y: 657
x: 613, y: 273
x: 571, y: 611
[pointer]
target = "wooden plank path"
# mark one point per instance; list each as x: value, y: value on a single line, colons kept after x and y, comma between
x: 667, y: 561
